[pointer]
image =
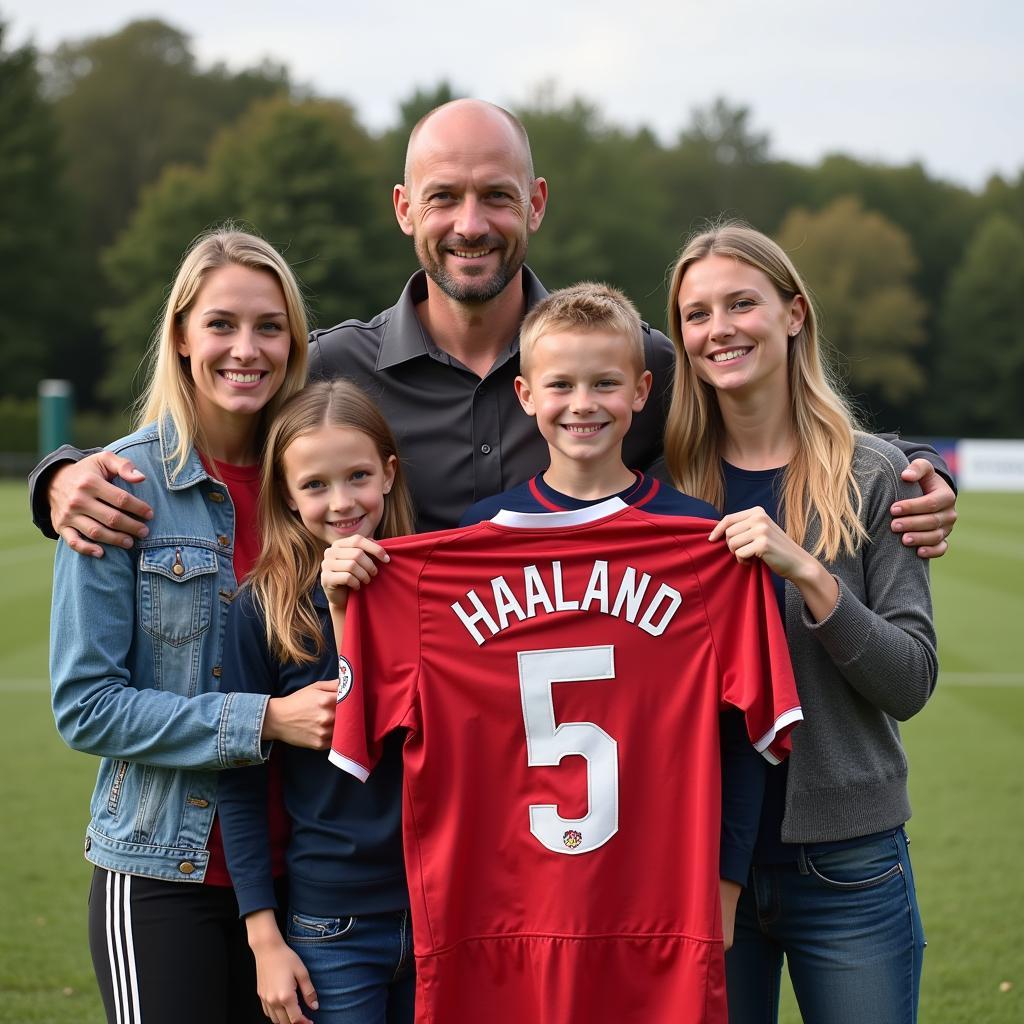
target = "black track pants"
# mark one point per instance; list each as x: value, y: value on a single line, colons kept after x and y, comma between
x: 167, y: 952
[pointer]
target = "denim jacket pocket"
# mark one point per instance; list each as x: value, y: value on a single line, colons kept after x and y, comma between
x: 176, y: 585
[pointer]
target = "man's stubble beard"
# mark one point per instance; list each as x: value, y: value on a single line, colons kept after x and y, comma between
x: 471, y: 292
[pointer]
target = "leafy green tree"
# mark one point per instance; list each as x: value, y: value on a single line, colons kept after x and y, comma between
x: 936, y: 215
x: 603, y: 222
x: 981, y: 378
x: 36, y: 223
x: 858, y: 266
x: 1002, y: 196
x: 720, y: 167
x: 131, y: 103
x: 296, y: 172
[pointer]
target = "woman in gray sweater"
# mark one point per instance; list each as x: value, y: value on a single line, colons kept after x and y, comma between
x: 757, y: 430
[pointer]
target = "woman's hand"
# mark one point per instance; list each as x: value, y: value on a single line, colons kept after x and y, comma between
x: 752, y: 533
x: 348, y: 564
x: 304, y: 718
x: 280, y: 973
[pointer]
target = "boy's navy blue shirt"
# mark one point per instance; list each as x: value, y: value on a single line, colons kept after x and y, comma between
x: 535, y: 495
x: 345, y: 853
x: 743, y: 769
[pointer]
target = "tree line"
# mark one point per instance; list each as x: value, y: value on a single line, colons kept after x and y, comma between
x: 116, y: 151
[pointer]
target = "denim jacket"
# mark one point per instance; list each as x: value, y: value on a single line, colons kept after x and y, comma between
x: 135, y: 653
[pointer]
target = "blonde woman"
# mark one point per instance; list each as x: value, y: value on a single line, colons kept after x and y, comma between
x: 136, y: 642
x: 756, y: 429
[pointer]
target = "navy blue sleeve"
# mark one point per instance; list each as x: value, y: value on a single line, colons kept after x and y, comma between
x: 743, y: 779
x: 242, y: 792
x: 920, y: 450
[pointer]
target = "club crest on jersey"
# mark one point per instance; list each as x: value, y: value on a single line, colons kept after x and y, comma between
x: 572, y: 838
x: 344, y: 678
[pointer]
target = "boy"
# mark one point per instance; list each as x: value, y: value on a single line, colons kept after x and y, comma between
x: 582, y: 378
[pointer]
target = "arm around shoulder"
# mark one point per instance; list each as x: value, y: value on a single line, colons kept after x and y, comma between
x: 39, y: 485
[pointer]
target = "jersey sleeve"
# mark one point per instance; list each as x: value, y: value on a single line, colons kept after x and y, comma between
x: 756, y: 673
x: 378, y: 665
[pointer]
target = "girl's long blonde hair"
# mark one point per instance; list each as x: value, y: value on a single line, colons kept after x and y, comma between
x: 170, y: 391
x: 289, y: 563
x: 818, y: 483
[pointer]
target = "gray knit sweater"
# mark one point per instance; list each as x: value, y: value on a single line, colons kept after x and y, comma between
x: 870, y: 664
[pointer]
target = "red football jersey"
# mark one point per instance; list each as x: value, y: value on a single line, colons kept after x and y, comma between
x: 561, y: 689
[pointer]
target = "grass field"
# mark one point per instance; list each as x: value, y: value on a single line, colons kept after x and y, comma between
x: 965, y: 751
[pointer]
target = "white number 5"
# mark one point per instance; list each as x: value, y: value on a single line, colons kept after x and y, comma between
x: 547, y: 744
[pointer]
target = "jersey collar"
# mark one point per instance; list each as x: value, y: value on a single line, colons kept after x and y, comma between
x: 559, y: 520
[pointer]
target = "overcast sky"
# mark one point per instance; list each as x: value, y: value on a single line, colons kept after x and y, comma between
x: 888, y: 80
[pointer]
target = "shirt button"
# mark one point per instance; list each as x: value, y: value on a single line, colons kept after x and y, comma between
x: 216, y: 496
x: 186, y: 867
x: 481, y: 390
x: 223, y: 540
x: 486, y: 449
x: 217, y: 671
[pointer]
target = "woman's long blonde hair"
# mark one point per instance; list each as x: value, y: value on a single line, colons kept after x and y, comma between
x: 170, y: 391
x: 289, y: 563
x: 818, y: 483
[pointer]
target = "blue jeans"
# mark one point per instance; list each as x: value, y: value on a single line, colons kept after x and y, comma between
x: 361, y: 967
x: 848, y: 925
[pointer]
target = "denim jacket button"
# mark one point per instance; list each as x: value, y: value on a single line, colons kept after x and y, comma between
x: 186, y: 867
x: 178, y: 569
x: 223, y: 540
x: 216, y: 496
x: 88, y: 843
x: 216, y: 671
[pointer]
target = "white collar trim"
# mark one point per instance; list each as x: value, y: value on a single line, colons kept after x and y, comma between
x: 557, y: 520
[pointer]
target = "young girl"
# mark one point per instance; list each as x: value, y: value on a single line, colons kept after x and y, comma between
x: 756, y: 429
x: 331, y: 478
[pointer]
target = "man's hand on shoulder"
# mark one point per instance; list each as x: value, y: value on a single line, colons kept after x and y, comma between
x: 89, y: 511
x: 926, y: 522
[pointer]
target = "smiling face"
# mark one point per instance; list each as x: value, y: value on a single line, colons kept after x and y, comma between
x: 237, y: 338
x: 336, y: 482
x: 736, y: 326
x: 469, y: 200
x: 583, y: 387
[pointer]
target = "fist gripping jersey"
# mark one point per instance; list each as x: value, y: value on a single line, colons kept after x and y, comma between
x: 561, y: 677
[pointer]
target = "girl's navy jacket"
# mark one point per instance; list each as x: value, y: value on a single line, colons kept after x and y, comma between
x: 345, y: 852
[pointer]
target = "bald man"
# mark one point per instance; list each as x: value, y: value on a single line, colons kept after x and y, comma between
x: 441, y: 362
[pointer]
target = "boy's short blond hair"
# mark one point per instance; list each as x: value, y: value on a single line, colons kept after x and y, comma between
x: 586, y: 306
